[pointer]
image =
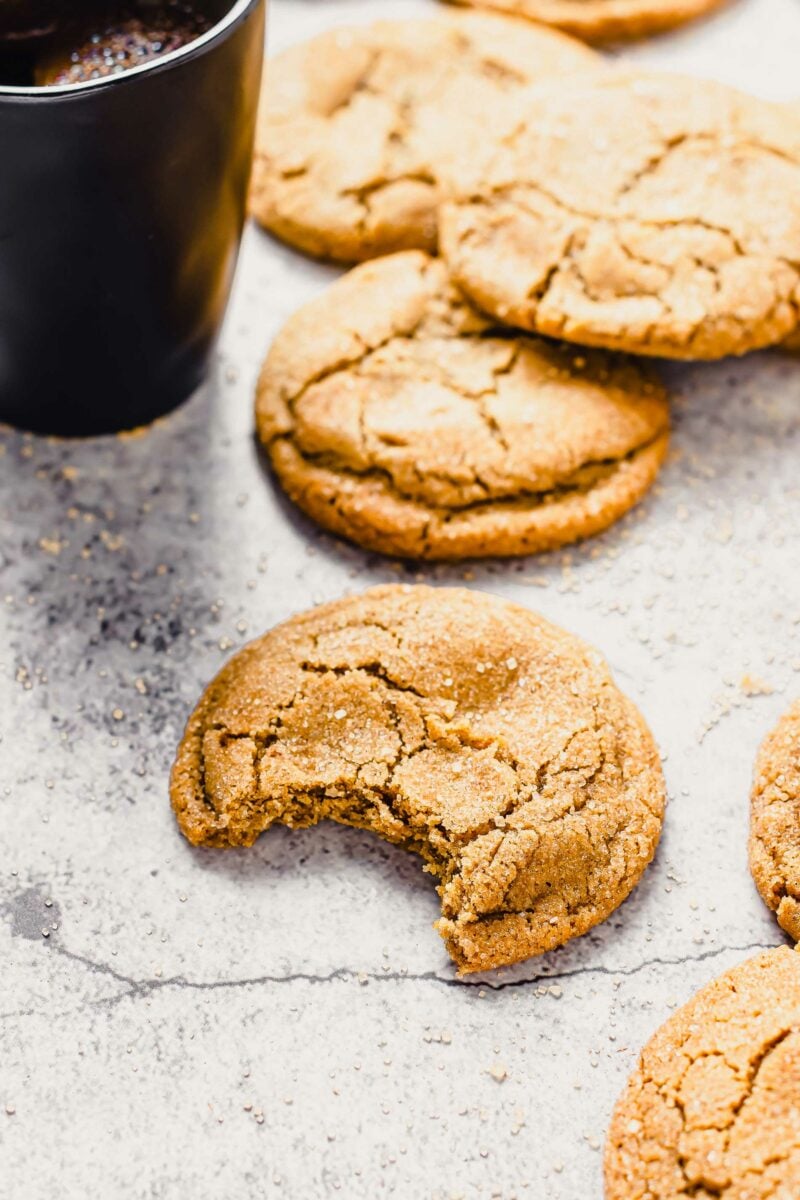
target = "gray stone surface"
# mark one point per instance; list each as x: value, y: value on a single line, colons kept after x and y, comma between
x: 151, y: 993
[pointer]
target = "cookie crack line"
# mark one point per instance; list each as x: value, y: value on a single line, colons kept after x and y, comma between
x: 511, y: 192
x: 491, y: 744
x: 350, y: 360
x: 401, y: 133
x: 638, y: 175
x: 515, y: 192
x: 389, y: 792
x: 363, y: 192
x: 706, y: 1186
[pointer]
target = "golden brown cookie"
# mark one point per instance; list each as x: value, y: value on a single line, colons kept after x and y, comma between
x: 605, y: 20
x: 650, y: 213
x: 356, y: 124
x: 395, y: 415
x: 455, y: 724
x: 775, y: 821
x: 713, y: 1110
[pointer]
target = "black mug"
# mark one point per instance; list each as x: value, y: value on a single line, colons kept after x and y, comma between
x: 122, y: 202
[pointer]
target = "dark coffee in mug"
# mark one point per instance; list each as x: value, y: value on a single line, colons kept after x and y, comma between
x: 122, y: 202
x: 46, y: 43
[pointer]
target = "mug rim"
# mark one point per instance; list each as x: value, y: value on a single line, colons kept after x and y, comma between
x: 236, y: 13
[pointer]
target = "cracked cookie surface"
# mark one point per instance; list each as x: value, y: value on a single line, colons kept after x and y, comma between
x: 606, y: 20
x: 355, y: 125
x: 775, y: 821
x: 650, y: 213
x: 397, y: 416
x: 713, y: 1110
x: 452, y: 723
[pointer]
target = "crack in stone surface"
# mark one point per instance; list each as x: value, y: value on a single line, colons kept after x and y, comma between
x: 138, y: 988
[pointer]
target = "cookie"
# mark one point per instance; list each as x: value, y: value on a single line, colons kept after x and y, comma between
x: 458, y: 725
x: 355, y: 124
x: 650, y: 213
x: 775, y: 821
x: 606, y: 20
x: 398, y: 417
x: 713, y: 1110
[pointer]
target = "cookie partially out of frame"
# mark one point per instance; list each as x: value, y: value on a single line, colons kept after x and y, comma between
x: 453, y: 723
x: 356, y: 124
x: 775, y: 821
x: 397, y: 416
x: 606, y: 20
x: 650, y: 213
x: 713, y: 1109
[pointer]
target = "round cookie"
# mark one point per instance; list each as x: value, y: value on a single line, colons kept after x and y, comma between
x: 713, y: 1109
x: 355, y: 125
x: 775, y: 821
x: 650, y: 213
x: 606, y: 20
x: 398, y: 417
x: 453, y: 723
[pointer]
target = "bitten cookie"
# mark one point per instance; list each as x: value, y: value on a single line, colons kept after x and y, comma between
x: 455, y: 724
x: 356, y: 124
x: 606, y: 20
x: 713, y: 1110
x: 650, y: 213
x: 775, y: 821
x: 397, y: 416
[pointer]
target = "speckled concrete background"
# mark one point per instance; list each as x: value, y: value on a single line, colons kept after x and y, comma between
x: 283, y: 1021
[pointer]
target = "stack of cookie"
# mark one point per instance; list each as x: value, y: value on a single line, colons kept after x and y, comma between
x: 537, y: 226
x: 416, y: 408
